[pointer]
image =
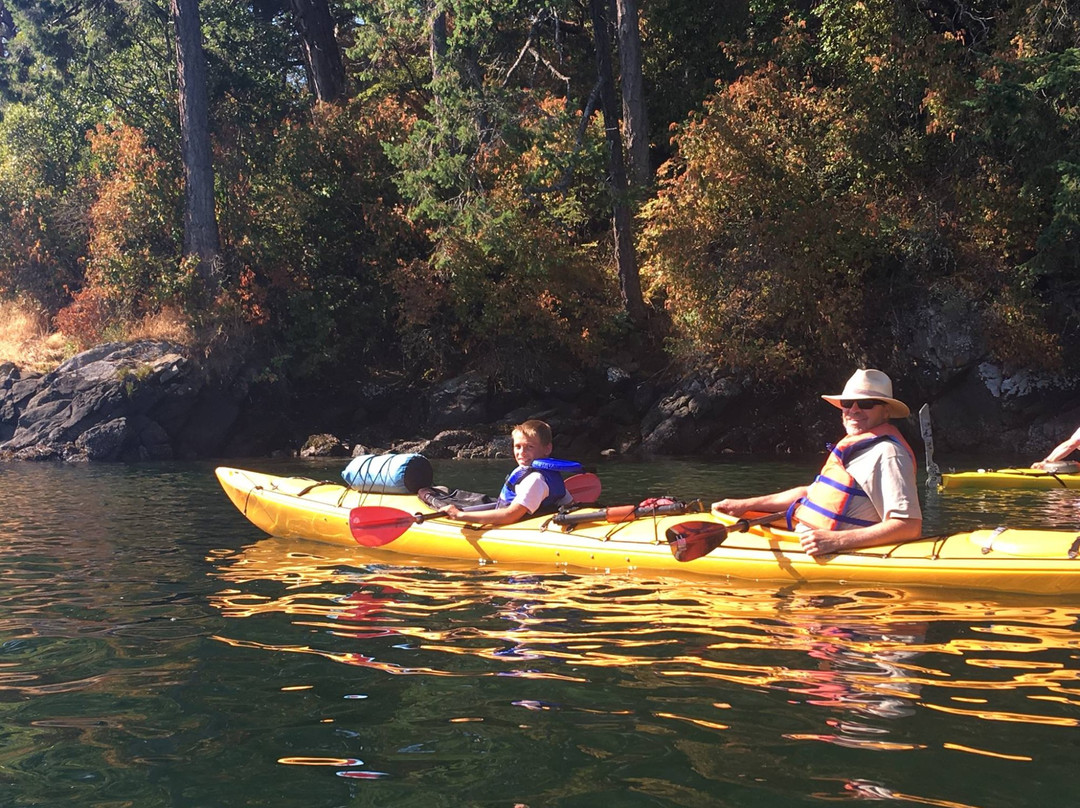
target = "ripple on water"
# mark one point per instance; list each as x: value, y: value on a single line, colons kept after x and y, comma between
x: 697, y: 664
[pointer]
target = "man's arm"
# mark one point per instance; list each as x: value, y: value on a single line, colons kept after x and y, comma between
x: 1061, y: 451
x: 766, y: 503
x: 819, y: 542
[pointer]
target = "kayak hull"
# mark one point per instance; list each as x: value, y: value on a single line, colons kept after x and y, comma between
x: 1030, y: 561
x: 1034, y: 479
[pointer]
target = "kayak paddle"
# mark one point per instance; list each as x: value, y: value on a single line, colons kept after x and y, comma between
x: 376, y: 525
x: 690, y: 540
x: 933, y: 474
x: 584, y: 488
x: 626, y: 513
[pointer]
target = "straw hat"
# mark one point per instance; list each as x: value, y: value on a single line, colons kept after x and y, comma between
x: 871, y: 384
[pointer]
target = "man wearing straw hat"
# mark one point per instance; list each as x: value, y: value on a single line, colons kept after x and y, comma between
x: 866, y: 492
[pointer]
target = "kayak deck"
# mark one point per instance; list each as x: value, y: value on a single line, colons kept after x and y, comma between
x: 1010, y: 560
x: 1035, y: 479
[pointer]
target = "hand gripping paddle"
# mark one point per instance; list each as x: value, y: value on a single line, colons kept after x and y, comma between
x: 376, y: 525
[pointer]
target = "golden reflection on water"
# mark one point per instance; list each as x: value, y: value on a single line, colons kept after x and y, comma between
x: 970, y: 509
x: 864, y: 657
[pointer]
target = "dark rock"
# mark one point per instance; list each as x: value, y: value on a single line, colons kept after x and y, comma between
x: 143, y: 400
x: 323, y: 445
x: 104, y: 441
x: 153, y: 400
x: 460, y: 402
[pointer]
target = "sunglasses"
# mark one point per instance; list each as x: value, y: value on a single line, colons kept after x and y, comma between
x: 861, y: 403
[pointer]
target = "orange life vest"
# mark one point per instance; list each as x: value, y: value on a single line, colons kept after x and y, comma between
x: 828, y: 497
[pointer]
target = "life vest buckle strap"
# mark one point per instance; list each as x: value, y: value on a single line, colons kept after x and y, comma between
x: 1074, y: 548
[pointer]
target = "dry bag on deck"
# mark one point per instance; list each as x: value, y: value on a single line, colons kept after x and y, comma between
x: 389, y: 473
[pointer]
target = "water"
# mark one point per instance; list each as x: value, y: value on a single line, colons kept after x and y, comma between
x: 157, y: 650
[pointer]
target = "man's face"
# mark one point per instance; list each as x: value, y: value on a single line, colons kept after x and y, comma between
x: 862, y: 414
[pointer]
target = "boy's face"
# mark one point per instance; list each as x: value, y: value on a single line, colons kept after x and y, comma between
x: 528, y: 448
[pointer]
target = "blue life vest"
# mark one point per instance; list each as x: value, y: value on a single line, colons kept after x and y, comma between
x: 551, y: 469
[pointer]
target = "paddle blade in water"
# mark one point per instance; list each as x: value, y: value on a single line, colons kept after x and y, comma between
x: 376, y: 525
x: 584, y: 487
x: 690, y: 540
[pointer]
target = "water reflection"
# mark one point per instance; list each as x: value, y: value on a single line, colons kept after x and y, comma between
x: 856, y: 668
x: 957, y: 511
x: 139, y: 666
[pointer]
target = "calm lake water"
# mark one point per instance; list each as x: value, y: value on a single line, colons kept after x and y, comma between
x: 158, y: 650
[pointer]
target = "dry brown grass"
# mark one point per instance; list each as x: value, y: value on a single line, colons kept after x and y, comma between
x: 25, y: 339
x: 168, y: 324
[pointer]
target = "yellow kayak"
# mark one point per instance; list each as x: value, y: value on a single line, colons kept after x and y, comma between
x: 1042, y: 562
x: 1035, y: 479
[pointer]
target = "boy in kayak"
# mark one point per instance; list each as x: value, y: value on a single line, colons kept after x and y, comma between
x: 1060, y: 452
x: 530, y: 487
x: 866, y: 493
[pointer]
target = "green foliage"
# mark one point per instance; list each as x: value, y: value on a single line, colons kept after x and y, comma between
x: 113, y: 56
x: 508, y: 178
x: 833, y: 163
x: 862, y: 159
x: 685, y: 56
x: 1021, y: 122
x: 43, y: 232
x: 135, y: 224
x: 512, y: 284
x: 316, y: 225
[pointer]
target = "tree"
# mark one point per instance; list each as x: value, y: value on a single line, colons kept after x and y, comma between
x: 322, y: 57
x: 635, y: 116
x: 622, y: 220
x: 200, y: 221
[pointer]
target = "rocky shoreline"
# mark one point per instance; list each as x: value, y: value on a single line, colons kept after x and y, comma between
x: 152, y: 400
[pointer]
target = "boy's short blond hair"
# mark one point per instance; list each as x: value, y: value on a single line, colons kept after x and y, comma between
x: 536, y: 429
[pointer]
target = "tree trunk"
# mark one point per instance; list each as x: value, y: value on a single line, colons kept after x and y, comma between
x: 437, y: 50
x: 322, y: 57
x: 437, y: 43
x: 622, y: 220
x: 635, y: 118
x: 200, y: 221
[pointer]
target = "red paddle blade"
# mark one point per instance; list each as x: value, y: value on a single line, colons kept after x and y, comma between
x: 584, y: 487
x: 690, y: 540
x: 376, y: 525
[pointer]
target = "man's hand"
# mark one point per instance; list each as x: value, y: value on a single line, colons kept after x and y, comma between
x: 732, y: 507
x: 821, y: 542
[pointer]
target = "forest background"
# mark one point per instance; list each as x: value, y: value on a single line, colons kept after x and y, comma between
x: 356, y: 187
